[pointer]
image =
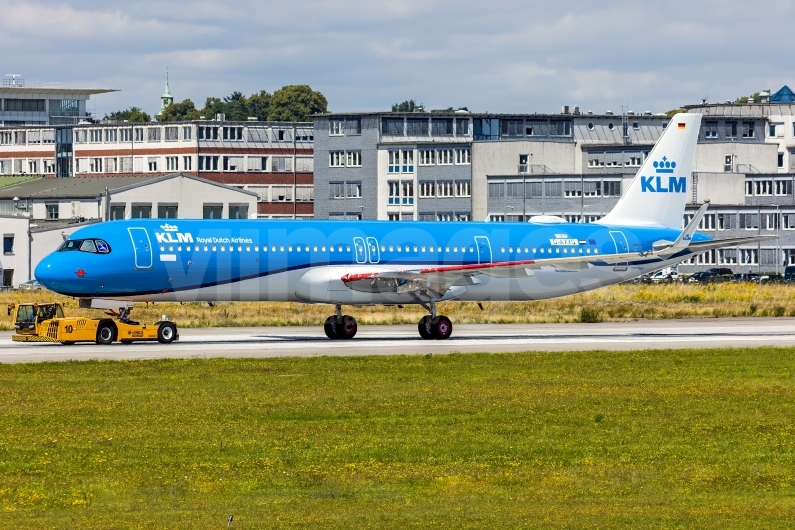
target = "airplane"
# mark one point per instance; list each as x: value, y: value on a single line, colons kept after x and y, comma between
x: 381, y: 262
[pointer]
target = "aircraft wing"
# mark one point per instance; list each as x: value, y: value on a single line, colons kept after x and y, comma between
x: 440, y: 279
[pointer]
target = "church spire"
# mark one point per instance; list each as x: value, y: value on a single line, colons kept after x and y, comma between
x: 166, y: 99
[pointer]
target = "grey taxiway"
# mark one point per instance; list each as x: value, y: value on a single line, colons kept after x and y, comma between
x: 396, y: 340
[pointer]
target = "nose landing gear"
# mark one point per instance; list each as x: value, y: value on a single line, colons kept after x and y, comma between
x: 433, y: 326
x: 340, y: 326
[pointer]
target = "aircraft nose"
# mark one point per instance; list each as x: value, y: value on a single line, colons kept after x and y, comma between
x: 46, y: 272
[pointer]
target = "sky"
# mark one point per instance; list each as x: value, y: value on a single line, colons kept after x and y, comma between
x: 489, y: 56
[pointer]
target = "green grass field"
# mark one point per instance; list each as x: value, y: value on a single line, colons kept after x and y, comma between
x: 653, y: 439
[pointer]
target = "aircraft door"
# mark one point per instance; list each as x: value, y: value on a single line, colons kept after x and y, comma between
x: 142, y: 247
x: 483, y: 247
x: 372, y: 249
x: 622, y: 247
x: 360, y: 250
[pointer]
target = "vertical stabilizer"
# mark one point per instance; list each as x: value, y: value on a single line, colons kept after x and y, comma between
x: 658, y: 193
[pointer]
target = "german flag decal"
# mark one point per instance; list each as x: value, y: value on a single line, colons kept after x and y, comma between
x: 681, y: 125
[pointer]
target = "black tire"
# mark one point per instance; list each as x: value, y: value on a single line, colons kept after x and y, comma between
x: 347, y: 329
x: 166, y: 333
x: 425, y: 328
x: 442, y: 328
x: 330, y: 327
x: 126, y: 341
x: 68, y: 342
x: 106, y: 332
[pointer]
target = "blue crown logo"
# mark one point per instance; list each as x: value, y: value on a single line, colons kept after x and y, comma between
x: 664, y: 166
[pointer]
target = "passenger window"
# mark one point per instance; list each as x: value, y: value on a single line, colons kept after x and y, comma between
x: 391, y: 248
x: 423, y: 249
x: 339, y: 248
x: 214, y: 248
x: 510, y: 249
x: 415, y: 249
x: 88, y: 246
x: 348, y: 248
x: 447, y: 249
x: 223, y: 248
x: 383, y: 249
x: 331, y: 248
x: 323, y: 248
x: 281, y: 248
x: 306, y: 248
x: 179, y: 248
x: 314, y: 249
x: 297, y: 248
x: 399, y: 248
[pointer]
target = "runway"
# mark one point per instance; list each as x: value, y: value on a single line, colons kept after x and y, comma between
x: 394, y: 340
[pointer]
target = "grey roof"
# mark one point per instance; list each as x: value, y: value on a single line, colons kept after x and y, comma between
x: 90, y: 187
x: 454, y: 114
x: 8, y: 91
x: 743, y: 110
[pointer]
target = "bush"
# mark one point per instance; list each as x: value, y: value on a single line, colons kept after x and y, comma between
x: 590, y: 315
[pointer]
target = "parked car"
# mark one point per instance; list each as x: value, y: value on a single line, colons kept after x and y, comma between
x: 789, y: 273
x: 746, y: 277
x: 664, y: 276
x: 709, y: 276
x: 31, y: 285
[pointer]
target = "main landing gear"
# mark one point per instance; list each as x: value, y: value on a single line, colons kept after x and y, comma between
x: 340, y: 326
x: 434, y: 327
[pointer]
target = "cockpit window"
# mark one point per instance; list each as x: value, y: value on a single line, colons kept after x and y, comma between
x: 85, y: 245
x: 88, y: 246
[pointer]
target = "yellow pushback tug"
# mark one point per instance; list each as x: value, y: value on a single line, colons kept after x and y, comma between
x: 47, y: 323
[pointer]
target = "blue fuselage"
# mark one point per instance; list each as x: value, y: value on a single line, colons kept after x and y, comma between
x: 188, y: 260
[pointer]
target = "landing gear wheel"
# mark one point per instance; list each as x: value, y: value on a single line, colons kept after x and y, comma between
x: 441, y: 327
x: 330, y: 327
x: 347, y: 328
x: 105, y: 334
x: 166, y: 333
x: 425, y: 328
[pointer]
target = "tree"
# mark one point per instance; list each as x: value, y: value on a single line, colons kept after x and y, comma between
x: 406, y: 106
x: 259, y: 105
x: 296, y: 103
x: 671, y: 112
x: 756, y: 98
x: 133, y: 114
x: 184, y: 111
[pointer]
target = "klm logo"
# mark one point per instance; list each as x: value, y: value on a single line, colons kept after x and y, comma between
x: 172, y: 235
x: 659, y: 184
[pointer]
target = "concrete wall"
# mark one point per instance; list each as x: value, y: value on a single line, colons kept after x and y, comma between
x: 718, y: 188
x: 762, y: 157
x: 17, y: 259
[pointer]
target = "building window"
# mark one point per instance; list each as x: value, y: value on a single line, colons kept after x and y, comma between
x: 52, y: 211
x: 748, y: 129
x: 138, y: 134
x: 612, y: 188
x: 535, y: 128
x: 444, y: 216
x: 305, y: 193
x: 445, y: 157
x: 354, y: 190
x: 463, y: 216
x: 208, y: 163
x: 117, y: 212
x: 391, y: 217
x: 336, y: 127
x: 153, y: 134
x: 749, y: 221
x: 763, y: 187
x: 463, y: 156
x: 427, y: 157
x: 167, y: 211
x: 749, y: 256
x: 427, y: 189
x: 353, y: 159
x: 781, y: 160
x: 212, y: 211
x: 152, y: 163
x: 512, y: 128
x: 726, y: 221
x: 401, y: 161
x: 783, y: 187
x: 463, y: 188
x: 125, y: 135
x: 392, y: 126
x: 731, y: 129
x: 141, y: 211
x: 95, y: 136
x: 171, y: 163
x: 534, y: 190
x: 749, y: 188
x: 172, y: 134
x: 710, y: 129
x: 707, y: 222
x: 8, y: 244
x: 336, y: 159
x: 353, y: 126
x: 418, y: 127
x: 233, y: 133
x: 282, y: 194
x: 110, y: 135
x: 496, y: 190
x: 592, y: 189
x: 462, y: 126
x: 572, y: 189
x: 336, y: 190
x: 553, y: 189
x: 187, y: 163
x: 444, y: 188
x: 442, y: 126
x: 514, y: 189
x: 407, y: 189
x: 186, y: 132
x: 634, y: 161
x: 233, y: 163
x: 96, y: 165
x: 208, y: 133
x: 238, y: 211
x: 728, y: 163
x: 560, y: 127
x: 394, y: 192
